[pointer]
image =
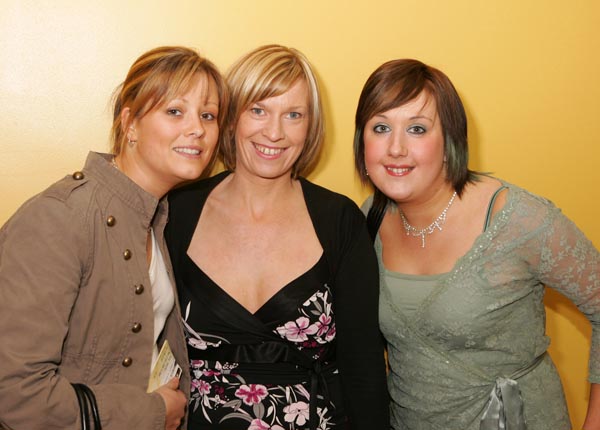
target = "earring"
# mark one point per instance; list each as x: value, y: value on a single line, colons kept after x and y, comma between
x: 131, y: 142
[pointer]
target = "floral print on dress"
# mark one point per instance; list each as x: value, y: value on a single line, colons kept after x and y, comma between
x: 220, y: 392
x: 315, y: 323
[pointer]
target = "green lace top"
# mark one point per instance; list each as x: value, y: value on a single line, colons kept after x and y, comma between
x: 486, y: 320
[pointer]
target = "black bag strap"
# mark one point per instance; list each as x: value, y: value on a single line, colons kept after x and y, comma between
x: 93, y: 406
x: 87, y: 407
x: 83, y: 413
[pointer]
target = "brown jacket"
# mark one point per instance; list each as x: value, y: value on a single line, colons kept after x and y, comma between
x: 73, y: 282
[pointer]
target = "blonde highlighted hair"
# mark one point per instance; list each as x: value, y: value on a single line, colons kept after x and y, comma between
x: 270, y: 71
x: 157, y: 76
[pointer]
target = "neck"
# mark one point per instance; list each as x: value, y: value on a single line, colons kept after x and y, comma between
x: 436, y: 223
x: 421, y: 213
x: 148, y: 182
x: 259, y: 195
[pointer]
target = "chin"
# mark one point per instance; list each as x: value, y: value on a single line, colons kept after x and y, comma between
x: 191, y: 175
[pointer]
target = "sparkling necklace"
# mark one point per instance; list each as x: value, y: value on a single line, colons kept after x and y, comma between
x: 436, y: 224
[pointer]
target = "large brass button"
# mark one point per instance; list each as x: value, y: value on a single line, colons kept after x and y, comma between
x: 127, y: 361
x: 78, y: 176
x: 136, y: 328
x: 127, y: 254
x: 111, y: 220
x: 139, y: 289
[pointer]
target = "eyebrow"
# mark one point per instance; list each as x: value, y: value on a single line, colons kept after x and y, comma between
x: 412, y: 118
x: 206, y: 100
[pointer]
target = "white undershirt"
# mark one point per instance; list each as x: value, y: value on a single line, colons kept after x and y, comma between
x: 162, y: 292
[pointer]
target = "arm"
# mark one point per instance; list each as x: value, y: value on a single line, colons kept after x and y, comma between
x: 44, y: 251
x: 360, y: 350
x: 571, y: 264
x: 592, y: 420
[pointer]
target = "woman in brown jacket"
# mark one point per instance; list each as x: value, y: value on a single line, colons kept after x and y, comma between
x: 86, y: 289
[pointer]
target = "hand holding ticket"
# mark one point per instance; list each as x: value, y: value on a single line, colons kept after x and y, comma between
x: 164, y: 368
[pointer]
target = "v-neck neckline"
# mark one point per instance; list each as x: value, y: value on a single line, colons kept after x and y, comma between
x: 223, y: 295
x: 481, y: 242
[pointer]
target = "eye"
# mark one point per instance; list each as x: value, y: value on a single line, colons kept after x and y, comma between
x: 257, y: 111
x: 381, y: 128
x: 207, y: 116
x: 174, y: 112
x: 416, y: 129
x: 294, y: 115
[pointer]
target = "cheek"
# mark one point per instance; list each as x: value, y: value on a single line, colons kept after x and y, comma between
x: 243, y: 127
x: 298, y: 133
x: 433, y: 152
x: 214, y: 134
x: 372, y: 153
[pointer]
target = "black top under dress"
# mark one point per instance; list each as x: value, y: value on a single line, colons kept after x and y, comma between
x: 311, y: 357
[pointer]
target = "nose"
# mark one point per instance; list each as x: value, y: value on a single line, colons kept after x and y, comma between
x: 196, y: 127
x: 273, y: 129
x: 397, y: 147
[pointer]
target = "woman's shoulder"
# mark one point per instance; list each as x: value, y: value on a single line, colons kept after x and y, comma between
x: 62, y: 210
x: 69, y: 195
x: 366, y: 205
x: 524, y: 210
x: 334, y: 214
x: 326, y: 198
x: 195, y: 192
x: 524, y: 198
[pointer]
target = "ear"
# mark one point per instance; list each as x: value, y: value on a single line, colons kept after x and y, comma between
x: 128, y: 125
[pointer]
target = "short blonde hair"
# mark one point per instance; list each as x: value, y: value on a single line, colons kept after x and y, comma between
x: 159, y: 75
x: 270, y: 71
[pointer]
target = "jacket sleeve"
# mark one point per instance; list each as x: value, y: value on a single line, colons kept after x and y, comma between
x: 44, y: 252
x: 360, y: 348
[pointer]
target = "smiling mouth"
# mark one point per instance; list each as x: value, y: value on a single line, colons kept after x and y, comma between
x: 189, y: 151
x: 267, y: 150
x: 399, y: 170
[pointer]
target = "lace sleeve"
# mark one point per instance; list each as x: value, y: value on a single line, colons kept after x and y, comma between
x: 570, y: 263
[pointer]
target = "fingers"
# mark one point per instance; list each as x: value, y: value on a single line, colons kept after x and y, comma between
x: 175, y: 418
x: 175, y: 402
x: 174, y: 425
x: 173, y: 383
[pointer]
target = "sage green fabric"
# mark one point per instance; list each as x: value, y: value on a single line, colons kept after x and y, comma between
x: 409, y: 291
x: 486, y: 320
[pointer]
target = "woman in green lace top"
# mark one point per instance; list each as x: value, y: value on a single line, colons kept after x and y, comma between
x: 464, y: 258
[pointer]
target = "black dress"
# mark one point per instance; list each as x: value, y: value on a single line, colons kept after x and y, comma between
x: 311, y: 356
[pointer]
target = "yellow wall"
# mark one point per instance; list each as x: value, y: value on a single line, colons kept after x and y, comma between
x: 528, y: 72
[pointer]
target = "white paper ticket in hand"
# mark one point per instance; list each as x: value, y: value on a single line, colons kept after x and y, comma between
x: 164, y: 368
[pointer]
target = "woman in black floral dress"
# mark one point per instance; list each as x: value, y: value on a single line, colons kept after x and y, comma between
x: 277, y: 277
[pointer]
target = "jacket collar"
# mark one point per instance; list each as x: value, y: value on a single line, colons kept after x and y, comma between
x: 100, y: 167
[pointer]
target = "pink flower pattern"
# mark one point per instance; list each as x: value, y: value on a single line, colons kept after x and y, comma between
x: 297, y: 331
x: 323, y: 328
x: 251, y: 394
x: 296, y: 413
x: 323, y: 324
